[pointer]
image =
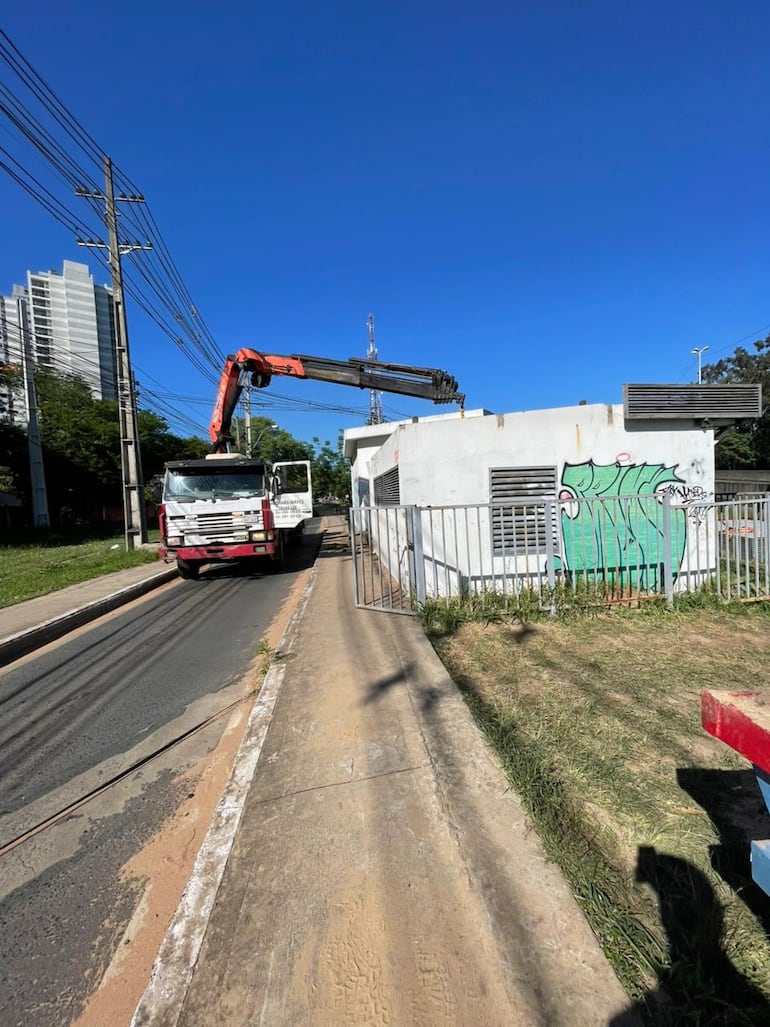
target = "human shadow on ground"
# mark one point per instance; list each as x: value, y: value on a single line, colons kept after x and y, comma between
x: 698, y: 984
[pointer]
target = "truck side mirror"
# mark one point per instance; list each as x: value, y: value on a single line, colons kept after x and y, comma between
x: 156, y: 490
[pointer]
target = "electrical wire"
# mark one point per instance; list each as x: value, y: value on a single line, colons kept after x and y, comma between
x: 162, y: 401
x: 48, y: 98
x: 91, y: 371
x: 55, y: 207
x: 155, y: 285
x: 751, y: 337
x: 154, y: 282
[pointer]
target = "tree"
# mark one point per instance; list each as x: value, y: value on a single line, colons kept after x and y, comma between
x: 272, y: 444
x: 331, y: 472
x: 81, y: 446
x: 747, y: 444
x: 14, y: 460
x: 158, y: 445
x: 11, y: 378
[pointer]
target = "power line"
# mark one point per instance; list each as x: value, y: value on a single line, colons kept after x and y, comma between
x: 54, y: 206
x: 751, y: 337
x: 160, y: 277
x: 155, y: 284
x: 45, y: 94
x: 87, y: 369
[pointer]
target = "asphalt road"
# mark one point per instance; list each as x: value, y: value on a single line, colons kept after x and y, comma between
x: 74, y: 717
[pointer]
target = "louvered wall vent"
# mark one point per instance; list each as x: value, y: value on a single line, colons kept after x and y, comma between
x: 387, y: 488
x: 520, y: 527
x: 697, y: 404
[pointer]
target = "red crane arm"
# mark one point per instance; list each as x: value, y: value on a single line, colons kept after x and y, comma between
x: 423, y: 382
x: 262, y: 367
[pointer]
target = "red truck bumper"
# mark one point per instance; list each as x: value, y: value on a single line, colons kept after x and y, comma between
x: 217, y: 552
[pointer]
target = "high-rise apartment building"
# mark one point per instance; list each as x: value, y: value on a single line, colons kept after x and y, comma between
x: 70, y: 326
x: 13, y: 320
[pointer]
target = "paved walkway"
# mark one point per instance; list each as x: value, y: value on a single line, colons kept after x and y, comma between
x: 382, y: 872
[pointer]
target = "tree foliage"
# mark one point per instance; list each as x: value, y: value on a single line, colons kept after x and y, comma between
x: 329, y: 468
x: 80, y: 438
x: 331, y: 472
x: 81, y: 447
x: 81, y: 444
x: 14, y: 460
x: 274, y: 444
x: 158, y: 444
x: 748, y: 444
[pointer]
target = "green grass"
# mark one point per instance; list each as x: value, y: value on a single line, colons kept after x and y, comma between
x: 29, y: 571
x: 596, y: 720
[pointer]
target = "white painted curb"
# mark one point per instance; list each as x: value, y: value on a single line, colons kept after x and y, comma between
x: 163, y: 998
x: 14, y: 646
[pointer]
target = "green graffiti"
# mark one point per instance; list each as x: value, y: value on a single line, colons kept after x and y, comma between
x: 619, y: 541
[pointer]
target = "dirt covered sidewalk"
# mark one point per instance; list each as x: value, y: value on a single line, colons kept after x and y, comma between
x: 383, y: 872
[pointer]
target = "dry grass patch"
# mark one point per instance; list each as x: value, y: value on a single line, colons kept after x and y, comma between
x: 597, y: 722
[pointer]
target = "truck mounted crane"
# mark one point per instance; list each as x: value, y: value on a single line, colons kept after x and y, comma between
x: 232, y: 507
x: 422, y: 382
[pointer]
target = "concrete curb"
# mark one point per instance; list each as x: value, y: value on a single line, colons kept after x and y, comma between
x: 18, y: 645
x: 163, y: 999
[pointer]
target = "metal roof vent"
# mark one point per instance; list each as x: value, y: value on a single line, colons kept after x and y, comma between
x: 693, y: 406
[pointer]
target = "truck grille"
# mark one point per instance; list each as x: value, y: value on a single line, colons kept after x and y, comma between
x: 218, y: 527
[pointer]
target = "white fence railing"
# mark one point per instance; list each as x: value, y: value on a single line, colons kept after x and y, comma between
x: 608, y: 549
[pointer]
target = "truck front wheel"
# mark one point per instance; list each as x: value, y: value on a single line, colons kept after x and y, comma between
x: 188, y: 569
x: 277, y: 560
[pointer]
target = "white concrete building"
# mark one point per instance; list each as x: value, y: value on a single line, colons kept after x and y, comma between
x: 521, y: 479
x: 360, y: 445
x: 14, y: 319
x: 70, y: 323
x: 458, y: 459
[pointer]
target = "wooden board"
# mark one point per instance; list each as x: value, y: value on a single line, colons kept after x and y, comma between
x: 742, y: 721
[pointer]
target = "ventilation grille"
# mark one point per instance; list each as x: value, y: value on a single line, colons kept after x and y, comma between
x: 519, y: 524
x: 718, y: 404
x: 387, y: 489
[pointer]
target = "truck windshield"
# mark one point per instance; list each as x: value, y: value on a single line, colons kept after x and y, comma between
x: 192, y: 484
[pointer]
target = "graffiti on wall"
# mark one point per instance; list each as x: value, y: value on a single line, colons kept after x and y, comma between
x: 693, y: 498
x: 621, y: 539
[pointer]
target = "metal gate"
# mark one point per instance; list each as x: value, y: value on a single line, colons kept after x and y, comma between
x: 387, y: 568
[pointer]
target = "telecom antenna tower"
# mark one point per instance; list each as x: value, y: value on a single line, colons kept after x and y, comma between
x: 375, y: 396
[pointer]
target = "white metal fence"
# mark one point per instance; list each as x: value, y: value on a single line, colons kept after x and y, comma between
x: 605, y: 549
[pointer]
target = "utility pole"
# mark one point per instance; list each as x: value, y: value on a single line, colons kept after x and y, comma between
x: 247, y: 413
x: 130, y: 458
x: 700, y: 353
x: 40, y: 517
x: 375, y: 397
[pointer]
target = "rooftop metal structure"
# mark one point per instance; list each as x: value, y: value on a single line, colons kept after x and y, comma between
x: 691, y: 406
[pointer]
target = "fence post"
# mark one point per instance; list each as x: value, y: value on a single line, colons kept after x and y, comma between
x: 354, y: 554
x: 668, y: 571
x: 551, y: 515
x: 415, y: 532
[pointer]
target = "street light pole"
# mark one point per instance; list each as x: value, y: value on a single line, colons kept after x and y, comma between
x: 700, y: 353
x: 269, y: 427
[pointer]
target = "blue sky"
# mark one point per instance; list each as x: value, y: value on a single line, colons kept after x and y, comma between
x: 547, y: 199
